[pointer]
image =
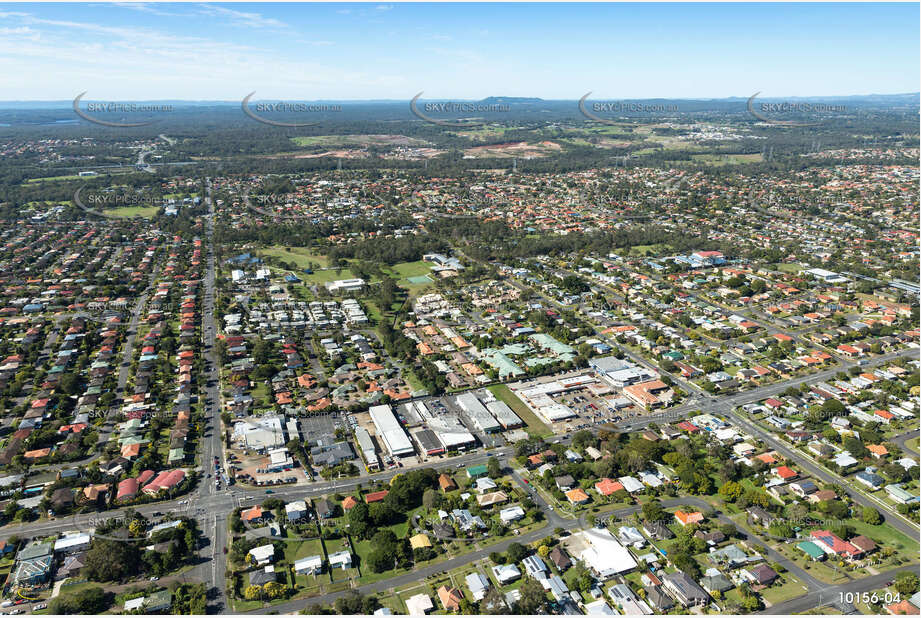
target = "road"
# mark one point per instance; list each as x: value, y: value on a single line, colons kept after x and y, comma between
x: 833, y: 594
x: 902, y: 441
x: 214, y: 557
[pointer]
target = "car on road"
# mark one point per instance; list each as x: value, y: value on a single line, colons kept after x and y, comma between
x: 269, y: 491
x: 41, y: 606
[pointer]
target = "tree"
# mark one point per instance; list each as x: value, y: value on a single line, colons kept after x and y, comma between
x: 493, y: 603
x: 430, y: 499
x: 252, y: 593
x: 359, y: 520
x: 516, y: 552
x: 906, y: 583
x: 89, y: 601
x: 110, y: 560
x: 493, y: 468
x: 653, y: 511
x: 387, y: 552
x: 353, y: 602
x: 543, y: 551
x: 731, y: 491
x: 582, y: 579
x: 871, y: 516
x: 533, y: 599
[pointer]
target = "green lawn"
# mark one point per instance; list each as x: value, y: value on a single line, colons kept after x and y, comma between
x: 321, y: 277
x: 67, y: 177
x: 823, y: 571
x: 413, y: 380
x: 791, y: 588
x: 535, y: 426
x: 886, y: 535
x: 411, y: 269
x: 127, y: 212
x: 730, y: 159
x: 785, y: 267
x: 647, y: 249
x: 301, y: 256
x: 296, y: 550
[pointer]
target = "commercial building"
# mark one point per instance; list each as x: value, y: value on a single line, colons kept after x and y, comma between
x: 477, y: 413
x: 366, y: 446
x: 345, y: 286
x: 504, y: 415
x: 601, y: 552
x: 390, y: 431
x: 428, y: 442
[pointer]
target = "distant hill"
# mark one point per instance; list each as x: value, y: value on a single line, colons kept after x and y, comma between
x: 517, y: 100
x: 910, y: 100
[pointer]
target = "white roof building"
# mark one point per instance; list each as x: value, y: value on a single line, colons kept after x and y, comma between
x: 366, y: 445
x: 534, y: 565
x: 477, y: 412
x: 631, y: 484
x: 511, y: 514
x: 310, y: 564
x: 599, y: 608
x: 390, y: 431
x: 603, y: 553
x: 263, y: 554
x: 296, y: 510
x: 345, y: 285
x: 419, y: 605
x: 72, y: 542
x: 506, y: 573
x: 478, y: 585
x: 341, y: 559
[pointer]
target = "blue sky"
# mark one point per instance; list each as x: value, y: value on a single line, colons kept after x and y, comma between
x: 199, y: 51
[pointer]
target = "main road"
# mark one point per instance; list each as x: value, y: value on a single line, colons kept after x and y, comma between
x: 214, y: 524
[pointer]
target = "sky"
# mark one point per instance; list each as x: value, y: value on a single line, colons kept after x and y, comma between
x: 351, y: 51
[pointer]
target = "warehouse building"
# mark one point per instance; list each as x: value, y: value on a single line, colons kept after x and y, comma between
x: 477, y: 413
x: 366, y: 446
x: 504, y: 414
x: 428, y: 442
x: 390, y: 432
x: 412, y: 413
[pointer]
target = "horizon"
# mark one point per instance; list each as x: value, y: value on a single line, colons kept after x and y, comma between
x: 522, y: 98
x: 384, y: 52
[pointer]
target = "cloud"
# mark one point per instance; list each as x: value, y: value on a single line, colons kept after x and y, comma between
x: 143, y: 7
x: 384, y: 7
x: 241, y: 18
x: 22, y: 32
